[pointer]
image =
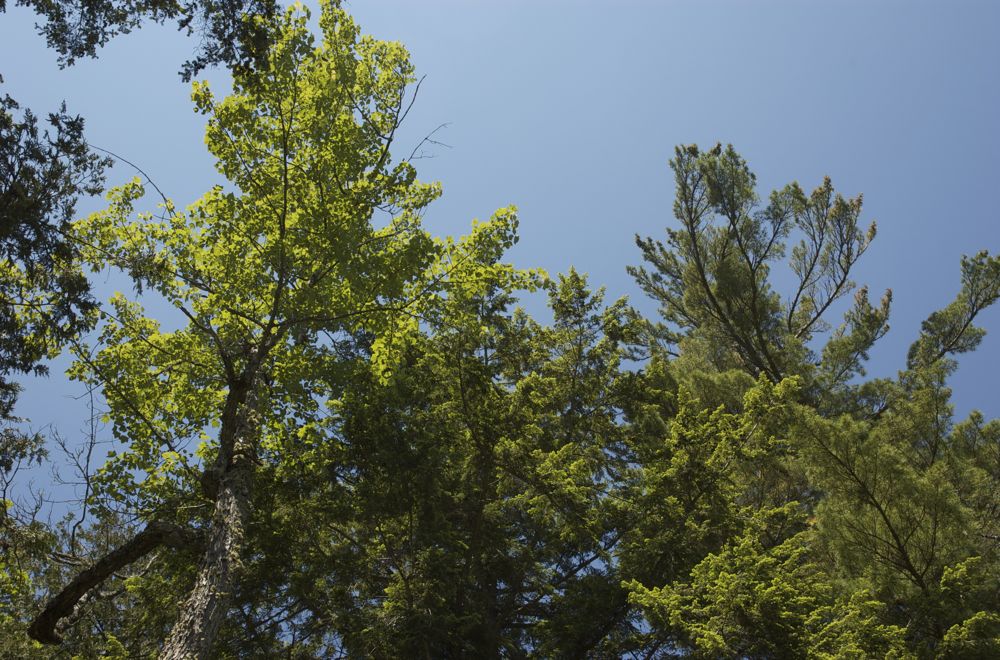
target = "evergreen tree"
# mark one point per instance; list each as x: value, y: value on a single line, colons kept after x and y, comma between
x: 355, y: 444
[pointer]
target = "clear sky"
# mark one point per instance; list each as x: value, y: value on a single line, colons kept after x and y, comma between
x: 571, y: 108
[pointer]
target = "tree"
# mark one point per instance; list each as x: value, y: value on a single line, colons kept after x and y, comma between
x: 909, y: 495
x: 757, y: 598
x: 464, y: 506
x: 354, y: 444
x: 44, y: 296
x: 228, y: 30
x: 701, y: 484
x: 271, y: 278
x: 884, y: 497
x: 711, y: 277
x: 43, y: 299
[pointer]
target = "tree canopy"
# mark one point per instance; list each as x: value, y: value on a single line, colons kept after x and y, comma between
x: 228, y: 31
x: 348, y: 439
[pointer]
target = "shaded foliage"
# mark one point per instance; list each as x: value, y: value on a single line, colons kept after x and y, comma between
x: 228, y: 30
x: 44, y: 295
x: 372, y: 451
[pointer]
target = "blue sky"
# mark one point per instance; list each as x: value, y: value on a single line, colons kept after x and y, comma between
x: 570, y: 109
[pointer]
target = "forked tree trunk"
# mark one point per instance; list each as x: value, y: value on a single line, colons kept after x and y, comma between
x: 205, y: 607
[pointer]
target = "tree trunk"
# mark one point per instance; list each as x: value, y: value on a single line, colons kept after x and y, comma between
x: 204, y: 609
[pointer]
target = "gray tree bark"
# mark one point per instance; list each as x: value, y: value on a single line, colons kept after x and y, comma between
x: 205, y: 607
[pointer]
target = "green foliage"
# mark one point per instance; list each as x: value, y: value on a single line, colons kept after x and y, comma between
x: 897, y: 499
x: 44, y: 298
x: 470, y: 489
x: 398, y: 461
x: 950, y: 330
x: 44, y: 302
x: 263, y: 273
x: 287, y: 283
x: 711, y: 277
x: 757, y: 600
x: 227, y: 29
